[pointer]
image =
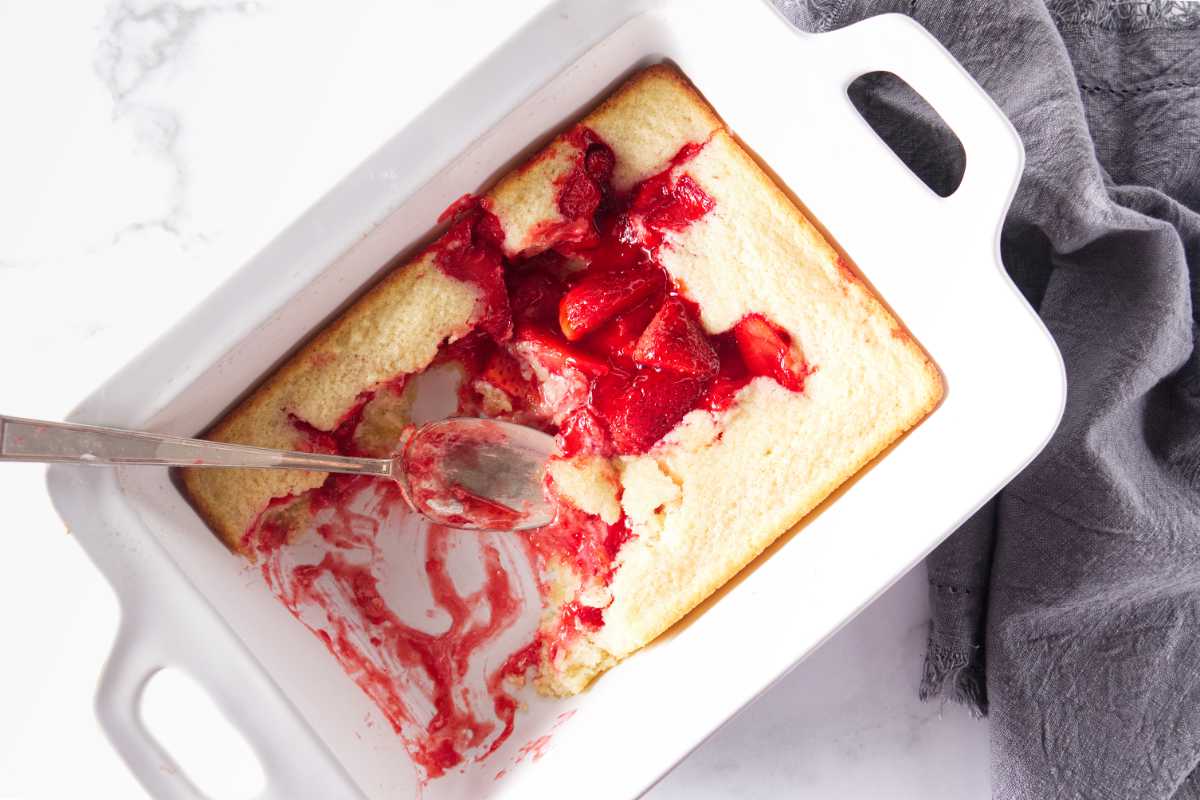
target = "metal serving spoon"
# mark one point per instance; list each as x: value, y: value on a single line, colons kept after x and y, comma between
x: 462, y: 472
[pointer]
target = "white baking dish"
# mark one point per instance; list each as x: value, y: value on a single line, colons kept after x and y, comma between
x: 187, y: 602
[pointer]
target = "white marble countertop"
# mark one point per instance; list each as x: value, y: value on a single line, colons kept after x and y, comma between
x: 148, y: 149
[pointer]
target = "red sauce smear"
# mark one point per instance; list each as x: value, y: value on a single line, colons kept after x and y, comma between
x: 384, y: 655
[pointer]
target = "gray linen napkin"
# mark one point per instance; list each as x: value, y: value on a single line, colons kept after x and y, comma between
x: 1069, y: 608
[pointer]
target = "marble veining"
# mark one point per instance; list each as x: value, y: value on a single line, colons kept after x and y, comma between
x: 139, y: 40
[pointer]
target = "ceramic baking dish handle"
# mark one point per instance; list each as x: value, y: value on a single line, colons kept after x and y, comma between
x: 130, y: 665
x: 994, y: 155
x: 158, y: 631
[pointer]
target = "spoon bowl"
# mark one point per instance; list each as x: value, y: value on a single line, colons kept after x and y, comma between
x: 478, y: 474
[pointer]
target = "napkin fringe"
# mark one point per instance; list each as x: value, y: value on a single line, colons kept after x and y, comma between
x: 955, y: 675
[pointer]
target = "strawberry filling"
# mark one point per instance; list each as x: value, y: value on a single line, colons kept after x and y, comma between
x: 618, y: 337
x: 672, y: 341
x: 767, y: 350
x: 600, y: 294
x: 470, y: 251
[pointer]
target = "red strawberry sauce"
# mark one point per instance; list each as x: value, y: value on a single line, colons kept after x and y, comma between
x: 416, y: 676
x: 588, y: 338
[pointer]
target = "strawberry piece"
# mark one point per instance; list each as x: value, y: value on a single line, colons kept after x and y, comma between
x: 470, y: 251
x: 602, y: 294
x: 683, y: 204
x: 767, y: 350
x: 598, y: 158
x: 674, y: 341
x: 503, y: 372
x: 667, y: 205
x: 615, y: 244
x: 651, y: 192
x: 641, y: 409
x: 619, y: 336
x: 598, y: 162
x: 583, y: 432
x: 584, y: 188
x: 731, y: 376
x: 534, y: 294
x: 554, y: 353
x: 471, y: 351
x: 578, y: 195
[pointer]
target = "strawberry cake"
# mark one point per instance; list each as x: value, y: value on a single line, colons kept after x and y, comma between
x: 710, y: 365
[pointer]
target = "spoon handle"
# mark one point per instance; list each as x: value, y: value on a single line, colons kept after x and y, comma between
x: 36, y: 440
